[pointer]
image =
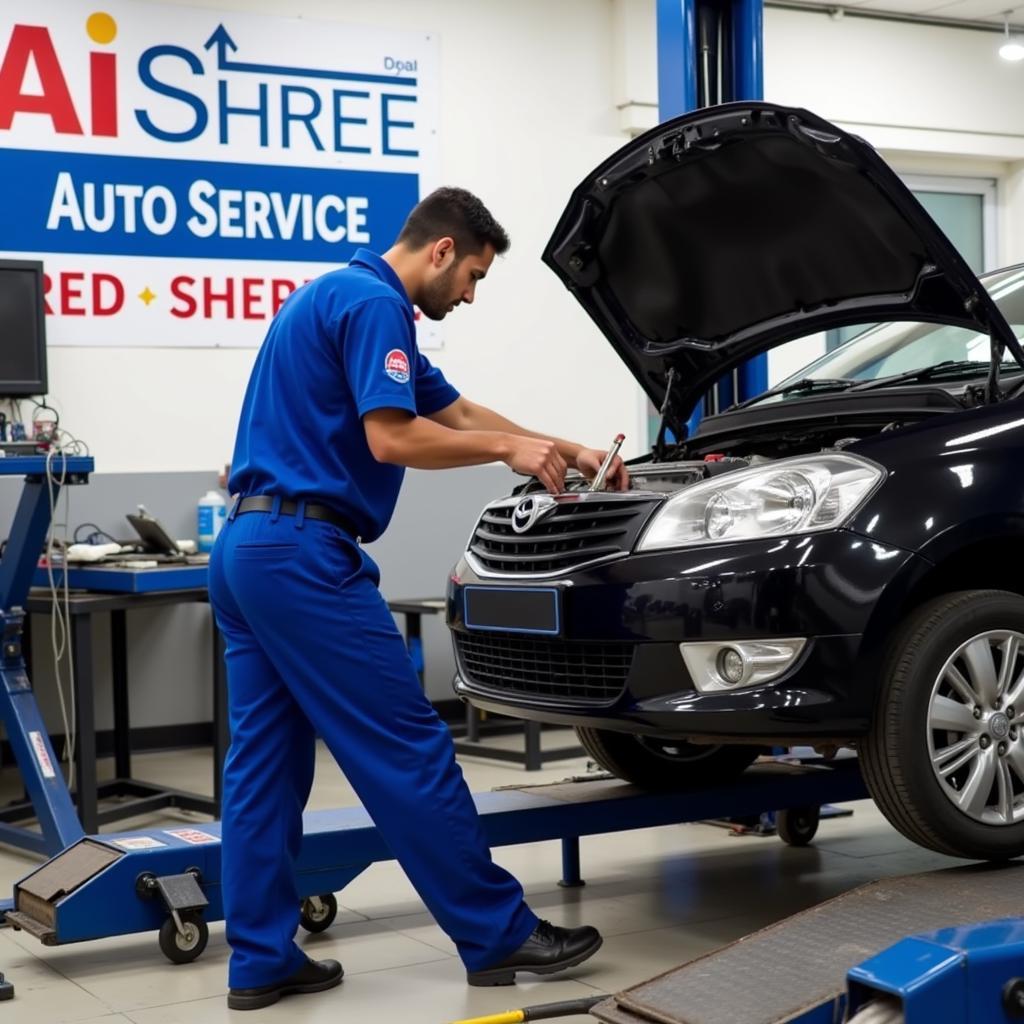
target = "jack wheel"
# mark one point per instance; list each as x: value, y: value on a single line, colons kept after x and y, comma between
x: 319, y: 912
x: 798, y: 825
x: 184, y: 948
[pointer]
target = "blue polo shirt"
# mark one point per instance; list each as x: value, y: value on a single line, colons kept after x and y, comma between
x: 340, y: 346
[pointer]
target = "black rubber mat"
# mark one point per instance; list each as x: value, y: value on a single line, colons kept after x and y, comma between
x: 775, y: 974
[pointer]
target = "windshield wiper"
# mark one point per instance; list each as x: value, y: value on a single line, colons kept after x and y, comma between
x: 926, y: 373
x: 808, y: 384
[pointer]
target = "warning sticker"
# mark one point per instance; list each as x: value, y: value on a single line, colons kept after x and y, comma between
x: 191, y: 835
x: 138, y: 843
x: 42, y: 755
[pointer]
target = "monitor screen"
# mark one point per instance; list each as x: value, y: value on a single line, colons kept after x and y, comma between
x: 22, y: 328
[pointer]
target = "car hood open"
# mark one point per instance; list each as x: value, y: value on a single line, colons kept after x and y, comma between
x: 730, y: 230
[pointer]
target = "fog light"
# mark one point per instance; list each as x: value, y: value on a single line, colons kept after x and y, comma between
x: 715, y: 667
x: 731, y: 666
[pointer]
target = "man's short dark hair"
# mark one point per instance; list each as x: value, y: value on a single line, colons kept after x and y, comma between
x: 455, y: 213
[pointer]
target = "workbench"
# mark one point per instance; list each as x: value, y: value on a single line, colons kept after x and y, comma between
x: 143, y: 796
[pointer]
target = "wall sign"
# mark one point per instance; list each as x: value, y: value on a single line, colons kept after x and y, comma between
x: 181, y: 171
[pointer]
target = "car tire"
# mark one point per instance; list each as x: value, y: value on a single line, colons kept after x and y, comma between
x: 655, y: 763
x: 925, y: 658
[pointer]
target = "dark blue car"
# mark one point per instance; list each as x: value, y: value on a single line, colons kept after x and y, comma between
x: 839, y: 562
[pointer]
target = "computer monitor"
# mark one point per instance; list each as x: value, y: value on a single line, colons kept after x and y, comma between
x: 22, y: 329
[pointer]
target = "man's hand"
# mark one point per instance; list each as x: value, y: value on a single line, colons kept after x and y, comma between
x: 589, y: 461
x: 534, y: 456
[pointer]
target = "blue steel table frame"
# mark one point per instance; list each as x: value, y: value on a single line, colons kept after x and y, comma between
x: 26, y: 732
x: 143, y: 797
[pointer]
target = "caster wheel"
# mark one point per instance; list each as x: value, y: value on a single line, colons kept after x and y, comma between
x: 183, y: 949
x: 319, y: 912
x: 798, y: 826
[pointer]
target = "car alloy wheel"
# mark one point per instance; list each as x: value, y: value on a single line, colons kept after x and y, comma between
x: 975, y: 744
x: 942, y: 757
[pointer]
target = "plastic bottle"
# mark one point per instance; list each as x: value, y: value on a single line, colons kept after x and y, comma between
x: 212, y: 512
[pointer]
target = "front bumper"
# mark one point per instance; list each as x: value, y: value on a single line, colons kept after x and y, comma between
x: 824, y: 587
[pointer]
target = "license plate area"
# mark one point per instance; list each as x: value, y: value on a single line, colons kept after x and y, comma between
x: 513, y: 609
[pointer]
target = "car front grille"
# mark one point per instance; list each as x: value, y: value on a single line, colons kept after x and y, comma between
x: 580, y: 530
x: 584, y: 672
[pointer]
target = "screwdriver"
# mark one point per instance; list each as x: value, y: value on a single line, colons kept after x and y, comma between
x: 603, y: 471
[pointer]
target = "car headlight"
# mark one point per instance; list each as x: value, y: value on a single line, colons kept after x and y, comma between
x: 799, y: 495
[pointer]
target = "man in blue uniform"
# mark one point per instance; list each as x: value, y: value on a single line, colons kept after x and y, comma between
x: 339, y: 403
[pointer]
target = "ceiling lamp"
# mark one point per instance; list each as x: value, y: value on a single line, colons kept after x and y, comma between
x: 1012, y: 49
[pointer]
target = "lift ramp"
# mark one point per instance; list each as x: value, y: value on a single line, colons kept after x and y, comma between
x: 93, y: 890
x: 794, y: 972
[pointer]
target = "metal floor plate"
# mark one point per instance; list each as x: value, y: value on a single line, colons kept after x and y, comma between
x: 773, y: 975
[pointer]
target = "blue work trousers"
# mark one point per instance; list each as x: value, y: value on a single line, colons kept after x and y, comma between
x: 312, y: 648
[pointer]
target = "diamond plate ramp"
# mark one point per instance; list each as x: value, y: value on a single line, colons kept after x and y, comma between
x: 774, y: 975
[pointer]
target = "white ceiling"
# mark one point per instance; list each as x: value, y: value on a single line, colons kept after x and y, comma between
x: 990, y: 11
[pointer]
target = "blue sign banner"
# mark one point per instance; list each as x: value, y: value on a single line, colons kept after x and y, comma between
x: 141, y: 206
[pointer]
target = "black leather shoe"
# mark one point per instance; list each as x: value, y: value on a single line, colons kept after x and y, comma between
x: 313, y: 976
x: 549, y: 949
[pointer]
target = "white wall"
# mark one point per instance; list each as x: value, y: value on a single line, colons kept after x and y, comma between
x: 526, y: 113
x: 533, y: 94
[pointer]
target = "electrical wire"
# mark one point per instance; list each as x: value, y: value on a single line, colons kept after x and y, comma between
x: 97, y: 536
x: 60, y: 617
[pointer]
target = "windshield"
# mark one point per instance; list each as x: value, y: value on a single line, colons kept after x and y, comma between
x: 883, y: 350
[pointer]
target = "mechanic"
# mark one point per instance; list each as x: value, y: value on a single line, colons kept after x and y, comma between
x: 340, y: 401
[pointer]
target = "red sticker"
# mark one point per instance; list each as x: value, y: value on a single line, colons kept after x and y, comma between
x: 396, y: 366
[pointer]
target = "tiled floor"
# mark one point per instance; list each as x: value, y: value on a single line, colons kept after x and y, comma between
x: 660, y: 896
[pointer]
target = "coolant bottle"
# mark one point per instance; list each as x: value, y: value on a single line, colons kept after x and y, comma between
x: 211, y: 511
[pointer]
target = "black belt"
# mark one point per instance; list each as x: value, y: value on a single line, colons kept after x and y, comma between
x: 265, y: 503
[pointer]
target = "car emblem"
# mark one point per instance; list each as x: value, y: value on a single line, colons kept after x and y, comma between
x: 531, y: 511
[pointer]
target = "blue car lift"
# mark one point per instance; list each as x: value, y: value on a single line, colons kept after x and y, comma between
x: 169, y: 878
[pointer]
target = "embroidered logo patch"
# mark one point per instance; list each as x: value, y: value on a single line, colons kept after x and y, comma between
x: 396, y: 366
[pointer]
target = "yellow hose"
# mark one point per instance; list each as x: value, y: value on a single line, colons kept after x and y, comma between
x: 508, y: 1017
x: 542, y: 1011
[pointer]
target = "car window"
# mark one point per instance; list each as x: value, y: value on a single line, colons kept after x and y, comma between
x: 891, y: 348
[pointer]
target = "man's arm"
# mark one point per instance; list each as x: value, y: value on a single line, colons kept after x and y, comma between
x: 399, y: 438
x: 464, y: 415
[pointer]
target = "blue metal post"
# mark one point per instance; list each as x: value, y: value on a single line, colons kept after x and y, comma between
x: 37, y: 763
x: 26, y: 731
x: 571, y: 878
x: 748, y: 49
x: 677, y: 76
x: 677, y: 58
x: 31, y: 521
x: 748, y: 84
x: 678, y: 66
